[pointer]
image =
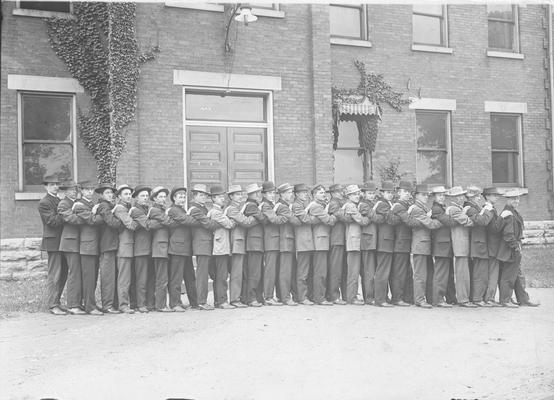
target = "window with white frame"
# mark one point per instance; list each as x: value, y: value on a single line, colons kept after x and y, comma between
x: 350, y: 157
x: 47, y: 137
x: 433, y: 138
x: 348, y: 21
x: 52, y: 6
x: 429, y: 25
x: 503, y: 27
x: 506, y: 146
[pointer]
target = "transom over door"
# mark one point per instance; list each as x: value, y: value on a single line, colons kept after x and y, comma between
x: 226, y: 155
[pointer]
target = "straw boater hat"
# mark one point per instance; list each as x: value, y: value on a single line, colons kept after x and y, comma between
x: 141, y: 188
x: 456, y: 191
x: 438, y: 189
x: 200, y: 187
x: 51, y: 179
x: 157, y: 190
x: 351, y: 189
x: 234, y: 189
x: 104, y: 186
x: 387, y: 186
x: 473, y: 191
x: 253, y: 188
x: 284, y: 187
x: 175, y: 190
x: 122, y: 187
x: 217, y: 189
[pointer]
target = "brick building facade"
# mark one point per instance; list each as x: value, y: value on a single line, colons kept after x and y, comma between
x: 478, y: 114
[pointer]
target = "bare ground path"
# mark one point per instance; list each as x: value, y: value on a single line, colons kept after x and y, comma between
x: 283, y: 353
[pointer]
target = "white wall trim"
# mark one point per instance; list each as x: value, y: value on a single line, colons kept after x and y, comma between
x: 44, y: 84
x: 505, y: 107
x: 29, y: 195
x: 432, y: 104
x: 432, y: 49
x: 223, y: 80
x: 195, y: 6
x: 505, y: 54
x: 351, y: 42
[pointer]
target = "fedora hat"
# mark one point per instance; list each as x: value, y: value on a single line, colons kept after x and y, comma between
x: 157, y: 190
x: 284, y: 187
x: 175, y: 190
x: 406, y: 186
x: 120, y: 188
x: 234, y: 189
x: 216, y: 190
x: 200, y: 187
x: 301, y: 187
x: 438, y: 189
x: 350, y: 189
x: 387, y: 185
x: 87, y: 185
x: 336, y: 187
x: 456, y: 191
x: 268, y: 186
x: 51, y: 179
x: 103, y: 186
x: 491, y: 190
x: 68, y: 184
x: 141, y: 188
x: 253, y: 188
x: 369, y: 186
x: 422, y: 188
x: 473, y: 191
x: 515, y: 192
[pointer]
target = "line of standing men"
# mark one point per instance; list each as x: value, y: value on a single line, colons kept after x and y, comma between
x: 294, y: 250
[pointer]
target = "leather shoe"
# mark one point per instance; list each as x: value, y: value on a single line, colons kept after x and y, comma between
x: 306, y: 302
x: 255, y: 303
x: 226, y: 306
x: 238, y: 304
x: 468, y: 305
x: 493, y: 303
x: 179, y: 308
x: 94, y: 311
x: 291, y: 303
x: 444, y: 304
x: 385, y: 304
x: 370, y: 302
x: 402, y: 303
x: 205, y: 307
x: 482, y: 304
x: 509, y: 305
x: 165, y: 309
x: 324, y: 303
x: 143, y: 310
x: 272, y: 302
x: 111, y: 311
x: 57, y: 311
x: 529, y: 304
x: 340, y: 302
x: 126, y: 310
x: 357, y: 302
x: 424, y: 305
x: 76, y: 311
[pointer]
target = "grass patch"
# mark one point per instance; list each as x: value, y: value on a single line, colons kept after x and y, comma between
x: 538, y: 266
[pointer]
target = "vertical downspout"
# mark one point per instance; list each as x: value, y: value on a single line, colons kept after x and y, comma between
x: 551, y: 81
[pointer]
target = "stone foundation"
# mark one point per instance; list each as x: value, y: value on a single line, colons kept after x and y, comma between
x: 22, y: 258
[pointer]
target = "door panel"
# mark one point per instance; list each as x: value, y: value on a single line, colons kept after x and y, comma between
x: 207, y: 156
x: 246, y: 155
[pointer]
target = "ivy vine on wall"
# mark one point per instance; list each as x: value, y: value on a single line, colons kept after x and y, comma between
x: 373, y: 88
x: 100, y: 50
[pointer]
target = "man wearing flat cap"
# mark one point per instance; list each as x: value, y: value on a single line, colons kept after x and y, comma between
x: 481, y: 214
x: 52, y: 225
x: 180, y: 251
x: 108, y: 245
x: 337, y: 262
x: 368, y: 244
x: 126, y: 239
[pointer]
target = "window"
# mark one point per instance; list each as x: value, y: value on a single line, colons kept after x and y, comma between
x: 47, y: 137
x: 348, y: 21
x: 506, y: 149
x: 54, y: 6
x: 349, y: 163
x: 503, y: 27
x: 433, y: 144
x: 429, y: 25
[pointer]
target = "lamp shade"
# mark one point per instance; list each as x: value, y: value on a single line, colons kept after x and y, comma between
x: 245, y: 15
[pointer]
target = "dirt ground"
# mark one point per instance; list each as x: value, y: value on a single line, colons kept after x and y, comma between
x: 339, y: 352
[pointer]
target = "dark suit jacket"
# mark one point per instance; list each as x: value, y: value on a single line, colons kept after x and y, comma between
x: 271, y: 227
x: 202, y: 234
x: 109, y: 231
x: 71, y: 232
x: 402, y: 232
x: 481, y: 219
x: 180, y: 234
x: 512, y: 233
x: 52, y: 222
x: 286, y: 230
x: 369, y: 231
x: 441, y: 241
x: 160, y: 236
x: 127, y: 232
x: 254, y: 234
x: 385, y: 232
x: 142, y: 245
x: 89, y: 231
x: 338, y: 230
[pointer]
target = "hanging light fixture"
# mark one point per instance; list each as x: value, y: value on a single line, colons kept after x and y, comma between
x: 241, y: 14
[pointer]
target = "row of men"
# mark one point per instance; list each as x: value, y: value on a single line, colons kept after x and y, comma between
x: 298, y: 249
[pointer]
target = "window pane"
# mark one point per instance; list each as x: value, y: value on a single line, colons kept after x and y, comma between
x: 59, y: 6
x: 431, y: 167
x: 346, y: 22
x: 268, y: 6
x: 228, y: 108
x: 505, y: 168
x: 501, y: 35
x: 504, y: 132
x: 431, y: 130
x: 426, y: 30
x: 348, y: 167
x: 435, y: 9
x: 46, y: 117
x: 502, y: 11
x: 348, y: 134
x: 47, y: 159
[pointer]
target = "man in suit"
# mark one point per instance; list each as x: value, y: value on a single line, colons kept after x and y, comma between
x: 481, y: 214
x: 69, y: 245
x: 441, y: 248
x: 509, y: 253
x: 368, y: 244
x: 321, y: 232
x: 125, y: 248
x: 52, y: 225
x: 254, y: 246
x: 494, y: 230
x: 460, y: 243
x: 421, y: 244
x: 385, y: 243
x: 222, y: 246
x: 400, y: 280
x: 89, y: 245
x: 337, y: 260
x: 353, y: 235
x: 109, y: 243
